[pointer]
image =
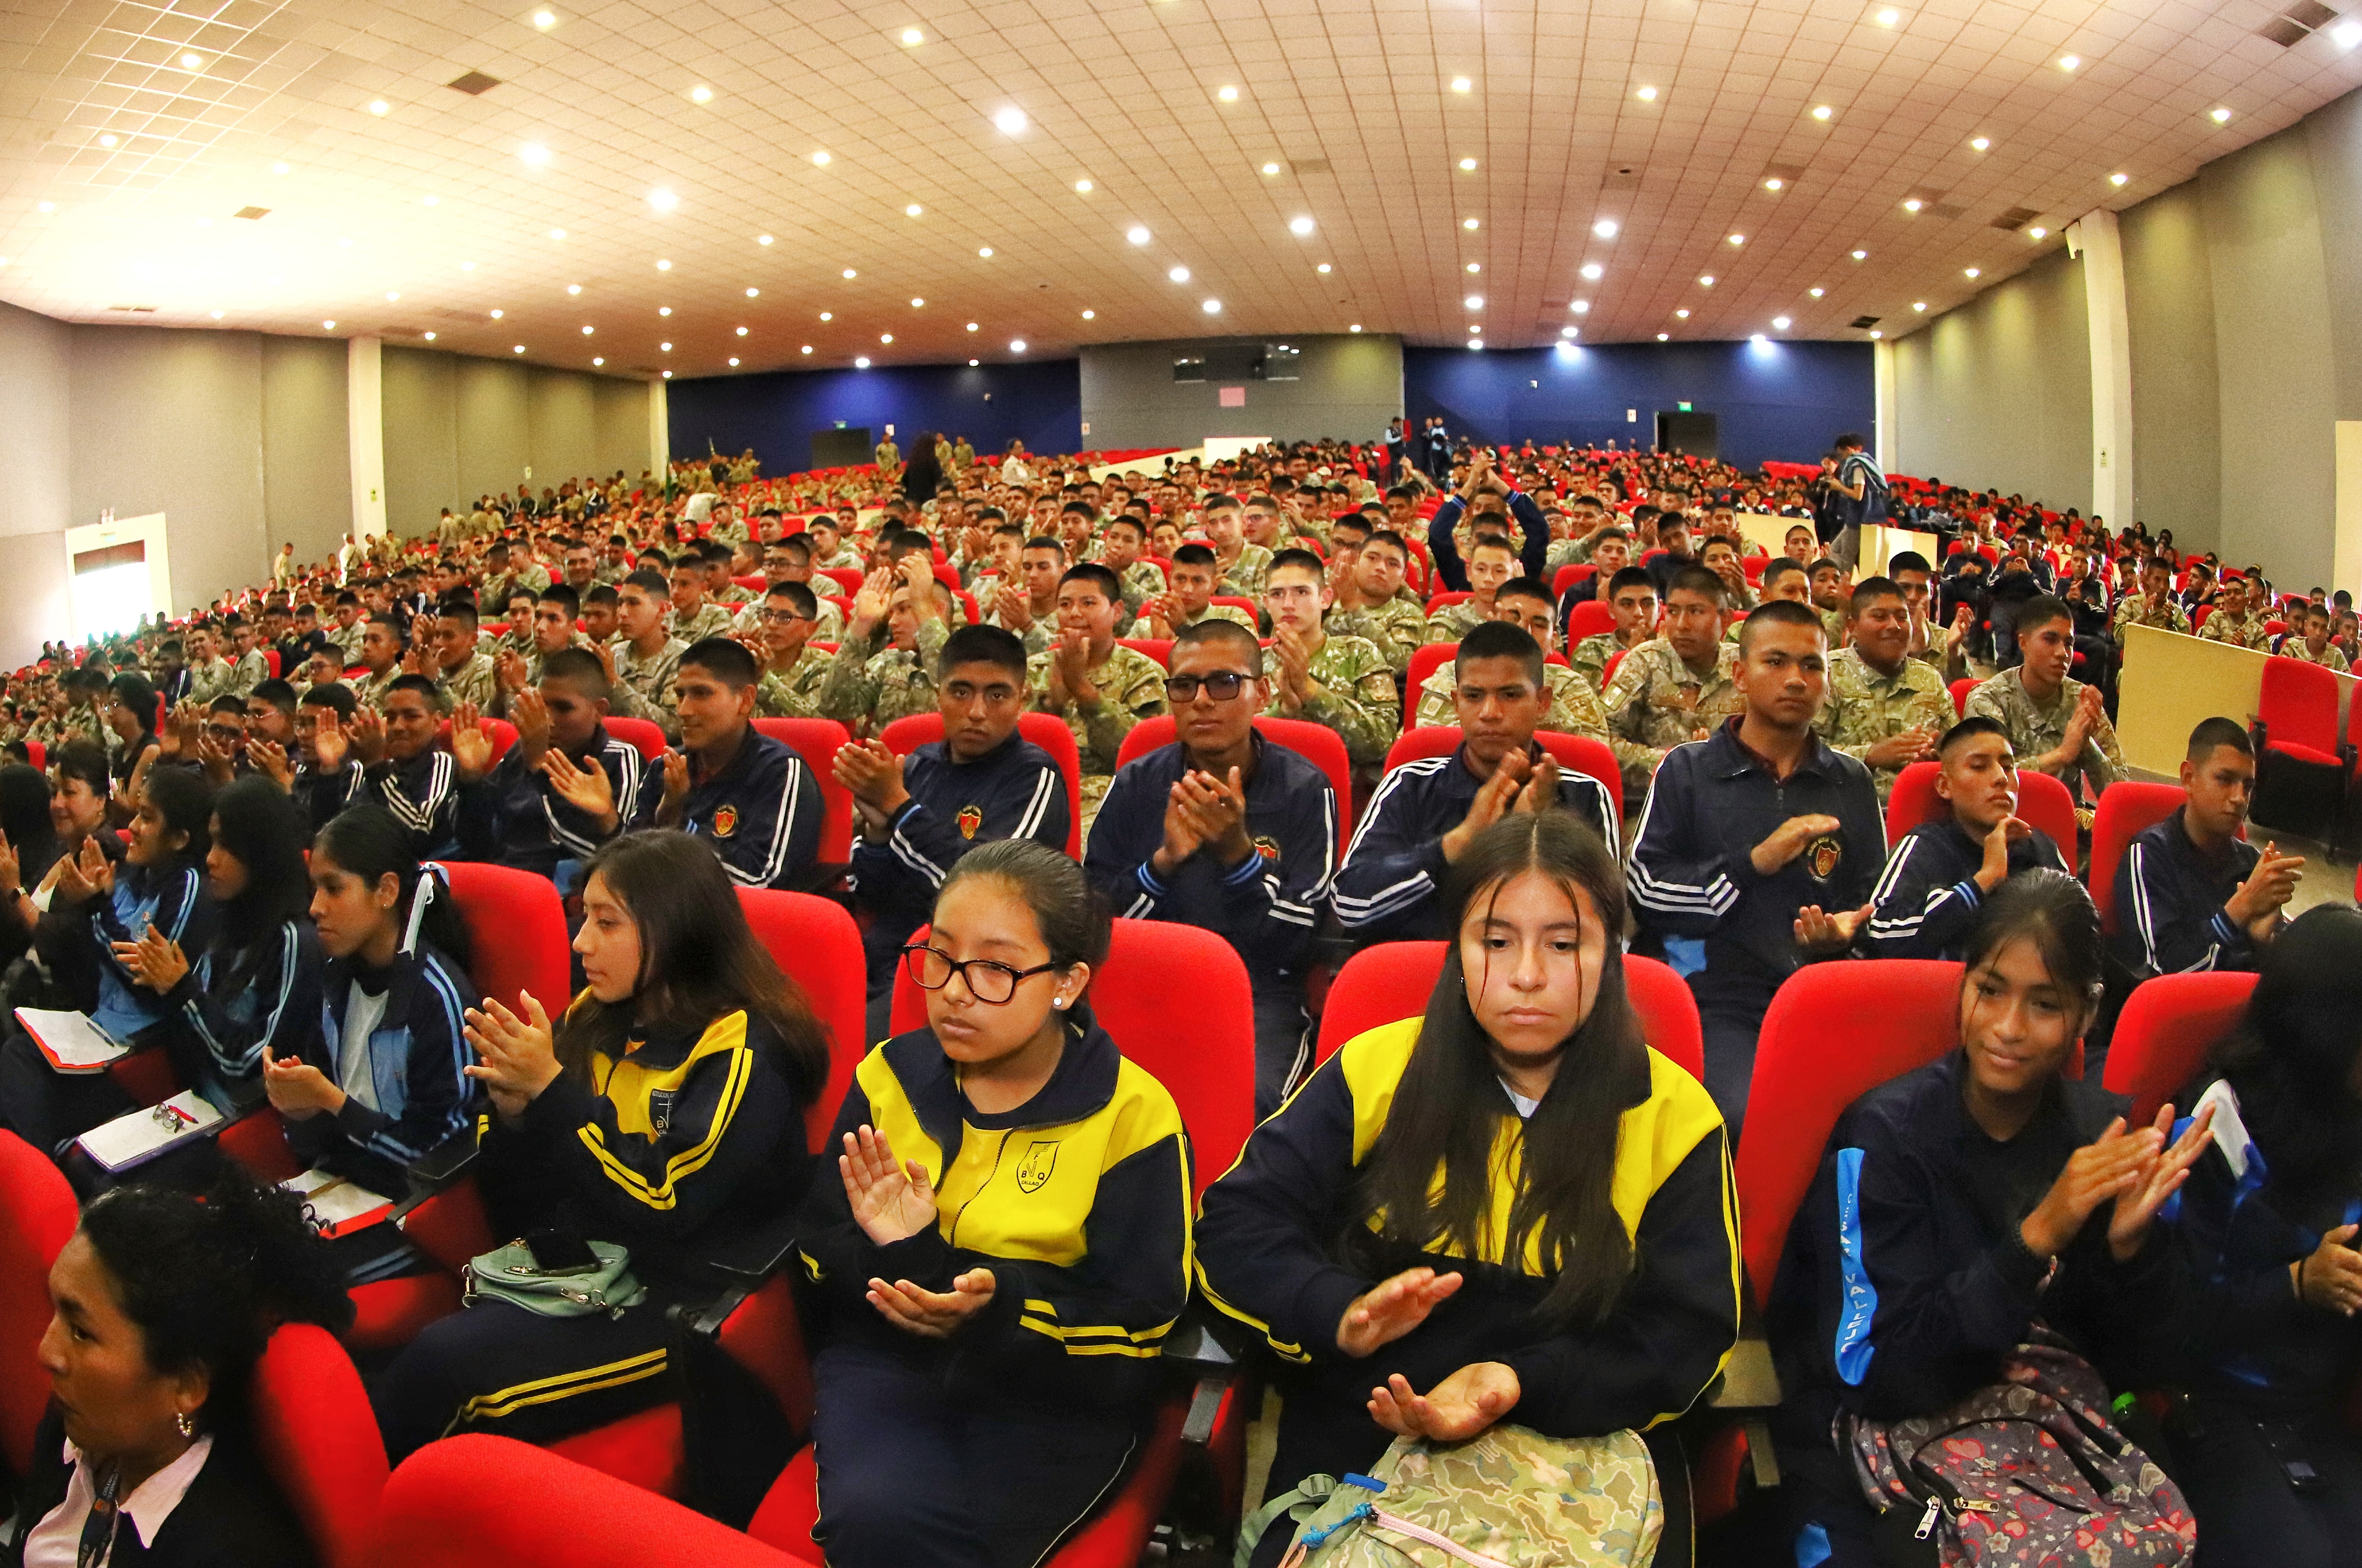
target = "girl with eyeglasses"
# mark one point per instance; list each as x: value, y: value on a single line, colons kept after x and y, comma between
x: 1003, y: 1246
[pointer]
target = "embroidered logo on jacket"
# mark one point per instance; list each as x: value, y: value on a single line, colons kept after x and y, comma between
x: 1268, y: 847
x: 971, y: 820
x: 1823, y: 856
x: 726, y: 821
x: 1034, y: 1170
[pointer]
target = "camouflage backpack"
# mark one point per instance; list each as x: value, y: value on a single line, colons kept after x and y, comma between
x: 1508, y: 1498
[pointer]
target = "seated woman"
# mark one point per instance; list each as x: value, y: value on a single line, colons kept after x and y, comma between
x: 1511, y: 1208
x: 664, y: 1115
x: 1004, y: 1244
x: 96, y: 909
x: 2267, y: 1224
x: 161, y: 1305
x: 1961, y: 1202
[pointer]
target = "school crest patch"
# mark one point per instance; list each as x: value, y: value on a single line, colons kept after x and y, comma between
x: 1824, y: 855
x: 1034, y: 1170
x: 1268, y: 847
x: 971, y: 821
x: 725, y: 821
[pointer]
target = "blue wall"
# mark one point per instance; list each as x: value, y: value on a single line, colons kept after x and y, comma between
x: 777, y: 412
x: 1774, y: 399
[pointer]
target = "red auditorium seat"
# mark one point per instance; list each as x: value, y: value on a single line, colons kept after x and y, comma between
x: 38, y: 754
x: 1158, y: 648
x: 2125, y: 812
x: 2042, y: 803
x: 1245, y: 606
x: 1394, y: 979
x: 1047, y: 731
x: 38, y: 1214
x: 1567, y: 576
x: 816, y: 741
x: 2296, y: 712
x: 1589, y: 619
x: 2167, y: 1027
x: 642, y: 734
x: 1961, y: 690
x: 316, y: 1434
x: 815, y: 942
x: 1578, y: 754
x: 1425, y: 660
x: 1317, y: 743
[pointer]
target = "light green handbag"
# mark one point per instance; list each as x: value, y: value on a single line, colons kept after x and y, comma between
x: 1508, y: 1498
x: 507, y: 1274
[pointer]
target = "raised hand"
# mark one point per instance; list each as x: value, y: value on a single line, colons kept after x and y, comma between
x: 586, y: 790
x: 368, y: 735
x: 1182, y: 835
x: 530, y: 714
x: 891, y: 1199
x: 1493, y: 798
x: 270, y: 759
x: 2116, y: 1161
x: 471, y: 747
x: 874, y: 775
x: 1788, y: 840
x: 298, y: 1090
x: 516, y: 1057
x: 329, y: 743
x: 1541, y: 790
x: 2329, y: 1277
x: 932, y: 1315
x: 1454, y: 1410
x: 2137, y: 1206
x: 1392, y: 1309
x: 510, y: 670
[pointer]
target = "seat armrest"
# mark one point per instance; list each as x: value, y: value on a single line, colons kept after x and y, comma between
x: 1749, y: 1381
x: 440, y: 1169
x: 751, y: 1258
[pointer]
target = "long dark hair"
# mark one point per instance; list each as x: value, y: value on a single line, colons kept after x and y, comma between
x: 1444, y: 1106
x: 699, y: 959
x: 185, y: 801
x: 368, y: 842
x: 2292, y: 1058
x: 25, y: 818
x: 207, y: 1278
x: 257, y: 822
x: 2052, y: 910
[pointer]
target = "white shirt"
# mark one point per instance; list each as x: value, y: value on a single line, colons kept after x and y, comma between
x: 1525, y: 1108
x: 362, y: 1014
x: 57, y: 1539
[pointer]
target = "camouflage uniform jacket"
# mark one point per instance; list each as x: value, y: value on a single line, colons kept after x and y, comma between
x: 1575, y: 707
x: 474, y: 681
x: 2332, y: 656
x: 643, y: 688
x: 2243, y: 632
x: 1131, y: 688
x: 1590, y: 658
x: 870, y: 684
x: 794, y: 693
x: 710, y: 620
x: 1356, y: 698
x: 251, y: 671
x: 1244, y: 580
x: 207, y: 682
x: 828, y: 628
x: 1397, y: 628
x: 346, y: 640
x: 1656, y: 703
x: 1141, y: 581
x: 2036, y: 728
x: 2136, y: 612
x: 1035, y: 637
x: 368, y: 690
x: 1864, y: 707
x: 1454, y: 621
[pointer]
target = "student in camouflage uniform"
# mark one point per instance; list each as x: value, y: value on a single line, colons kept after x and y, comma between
x: 885, y: 670
x: 1828, y: 593
x: 2313, y: 645
x: 1575, y: 707
x: 2154, y: 605
x: 793, y: 670
x: 1377, y: 612
x: 1633, y: 597
x: 2056, y: 723
x: 1884, y: 708
x: 645, y: 655
x: 1099, y: 687
x: 2232, y: 622
x: 447, y: 655
x: 210, y: 675
x: 251, y: 669
x: 1676, y: 688
x: 1187, y: 601
x: 1239, y: 566
x: 1490, y: 564
x: 1343, y: 683
x: 694, y: 618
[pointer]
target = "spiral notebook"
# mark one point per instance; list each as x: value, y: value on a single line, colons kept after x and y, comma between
x: 140, y: 1136
x: 71, y: 1041
x: 341, y: 1207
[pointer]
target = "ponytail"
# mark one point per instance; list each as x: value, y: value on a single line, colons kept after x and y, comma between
x: 368, y: 842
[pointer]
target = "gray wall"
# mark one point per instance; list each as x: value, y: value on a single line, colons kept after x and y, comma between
x: 456, y: 427
x: 1997, y: 392
x: 307, y: 476
x: 2177, y: 412
x: 36, y: 506
x: 1349, y: 385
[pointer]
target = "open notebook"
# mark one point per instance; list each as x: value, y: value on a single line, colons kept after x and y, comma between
x: 142, y: 1135
x: 69, y: 1040
x: 341, y: 1207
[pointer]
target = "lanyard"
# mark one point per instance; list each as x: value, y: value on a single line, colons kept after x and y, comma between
x: 98, y: 1531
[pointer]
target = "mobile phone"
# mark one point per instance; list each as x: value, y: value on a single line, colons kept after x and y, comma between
x: 556, y: 1253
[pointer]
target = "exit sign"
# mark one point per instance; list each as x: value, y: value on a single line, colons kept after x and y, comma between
x: 1682, y: 407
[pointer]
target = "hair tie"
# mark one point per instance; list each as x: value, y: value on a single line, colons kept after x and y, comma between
x: 421, y: 893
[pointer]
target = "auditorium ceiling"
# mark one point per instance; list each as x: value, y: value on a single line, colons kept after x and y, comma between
x: 783, y: 185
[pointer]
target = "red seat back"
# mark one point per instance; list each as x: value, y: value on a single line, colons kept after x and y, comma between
x: 1202, y: 1053
x: 847, y: 578
x: 38, y: 754
x: 1567, y: 576
x: 1392, y: 980
x: 816, y: 944
x: 38, y: 1214
x: 2297, y: 705
x: 2126, y: 811
x: 1047, y: 731
x: 1961, y: 690
x: 2167, y: 1027
x: 2042, y: 803
x: 816, y: 741
x: 1425, y: 660
x: 1833, y: 1032
x: 1244, y: 606
x: 1317, y: 743
x: 270, y: 658
x: 516, y: 930
x: 316, y: 1434
x: 642, y: 734
x: 1589, y: 619
x: 1158, y: 648
x: 1446, y: 600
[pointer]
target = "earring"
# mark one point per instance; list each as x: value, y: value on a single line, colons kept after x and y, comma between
x: 188, y: 1427
x: 1058, y: 1001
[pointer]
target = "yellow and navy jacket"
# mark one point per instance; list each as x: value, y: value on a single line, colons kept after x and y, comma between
x: 1273, y: 1236
x: 684, y: 1142
x: 1077, y: 1201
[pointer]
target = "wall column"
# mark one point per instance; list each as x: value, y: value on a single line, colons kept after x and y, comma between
x: 1884, y: 436
x: 2095, y: 238
x: 365, y: 433
x: 659, y: 432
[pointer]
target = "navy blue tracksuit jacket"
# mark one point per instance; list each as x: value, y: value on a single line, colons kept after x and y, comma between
x: 761, y: 813
x: 1928, y: 897
x: 2170, y: 899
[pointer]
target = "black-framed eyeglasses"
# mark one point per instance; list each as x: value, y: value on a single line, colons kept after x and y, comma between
x: 1221, y: 686
x: 782, y: 617
x: 988, y: 981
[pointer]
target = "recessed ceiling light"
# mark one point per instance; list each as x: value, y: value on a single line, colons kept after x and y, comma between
x: 1706, y: 281
x: 2069, y: 61
x: 805, y: 349
x: 327, y: 326
x: 861, y: 362
x: 851, y: 273
x: 1774, y: 184
x: 913, y: 36
x: 556, y: 234
x: 1468, y: 223
x: 913, y: 210
x: 974, y: 362
x: 1605, y: 228
x: 983, y: 251
x: 598, y: 360
x: 2036, y: 232
x: 1017, y: 346
x: 1082, y: 187
x: 1739, y: 239
x: 1875, y: 333
x: 467, y: 266
x: 107, y: 140
x: 378, y: 107
x: 431, y: 201
x: 742, y: 331
x: 1592, y: 271
x: 1475, y: 266
x: 1227, y: 94
x: 1179, y: 274
x: 1355, y: 327
x: 762, y: 239
x: 885, y: 338
x: 971, y: 326
x: 700, y: 93
x: 1011, y: 120
x: 2346, y: 34
x: 734, y: 358
x: 1647, y: 95
x: 430, y: 336
x: 1887, y: 18
x: 1912, y: 205
x: 1822, y: 111
x: 1271, y: 168
x: 588, y: 330
x: 544, y: 19
x: 279, y: 169
x: 2220, y: 116
x: 1780, y: 323
x: 1467, y: 164
x: 1664, y: 336
x: 1684, y: 314
x: 1918, y: 304
x: 1975, y: 272
x: 1090, y: 315
x: 1476, y: 343
x: 535, y: 153
x: 1755, y: 337
x: 754, y: 293
x: 390, y: 296
x: 341, y: 244
x: 1459, y: 84
x: 1137, y: 234
x: 663, y: 265
x: 1981, y: 143
x: 2118, y: 178
x: 216, y: 314
x: 498, y: 314
x: 1570, y: 331
x: 1580, y: 307
x: 668, y: 375
x: 664, y: 348
x: 1861, y: 255
x: 828, y: 315
x: 820, y: 159
x: 666, y: 310
x: 1323, y: 268
x: 573, y: 288
x: 663, y: 200
x: 1212, y: 307
x: 1815, y: 293
x: 1299, y: 226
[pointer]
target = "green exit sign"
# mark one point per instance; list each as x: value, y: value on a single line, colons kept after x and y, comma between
x: 1682, y: 407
